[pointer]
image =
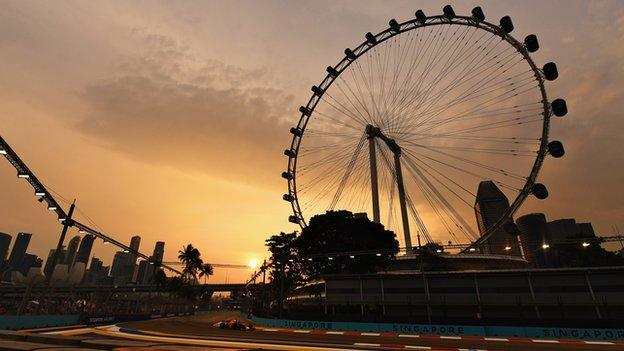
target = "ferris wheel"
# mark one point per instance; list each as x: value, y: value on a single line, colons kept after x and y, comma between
x: 408, y: 124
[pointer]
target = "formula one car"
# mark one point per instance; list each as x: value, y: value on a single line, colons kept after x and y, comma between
x: 234, y: 324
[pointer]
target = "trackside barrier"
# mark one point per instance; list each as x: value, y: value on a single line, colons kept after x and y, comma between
x: 37, y: 321
x: 455, y: 330
x: 42, y: 321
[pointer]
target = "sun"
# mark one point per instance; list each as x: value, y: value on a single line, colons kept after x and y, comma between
x: 253, y: 263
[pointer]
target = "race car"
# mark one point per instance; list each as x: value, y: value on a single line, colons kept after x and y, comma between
x: 234, y: 324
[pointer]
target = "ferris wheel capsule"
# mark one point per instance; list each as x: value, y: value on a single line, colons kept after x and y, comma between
x: 332, y: 71
x: 317, y: 91
x: 394, y: 25
x: 448, y: 12
x: 293, y: 219
x: 531, y: 43
x: 304, y: 110
x: 477, y: 14
x: 288, y: 197
x: 559, y: 107
x: 555, y: 149
x: 506, y: 24
x: 350, y: 54
x: 421, y: 17
x: 290, y: 153
x: 295, y: 131
x: 550, y: 71
x: 539, y: 191
x: 370, y: 38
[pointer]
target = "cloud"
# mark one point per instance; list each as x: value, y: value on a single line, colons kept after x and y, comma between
x: 165, y: 106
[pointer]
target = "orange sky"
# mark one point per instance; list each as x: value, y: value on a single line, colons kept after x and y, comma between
x: 167, y: 119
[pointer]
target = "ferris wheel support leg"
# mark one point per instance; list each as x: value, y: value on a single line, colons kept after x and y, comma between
x: 406, y: 229
x: 373, y: 171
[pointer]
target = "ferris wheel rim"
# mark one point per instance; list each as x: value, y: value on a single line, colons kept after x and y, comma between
x: 410, y: 25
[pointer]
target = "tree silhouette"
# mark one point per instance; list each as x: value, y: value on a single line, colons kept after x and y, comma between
x: 193, y: 264
x: 354, y: 243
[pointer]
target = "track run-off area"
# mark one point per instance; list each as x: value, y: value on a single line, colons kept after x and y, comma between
x: 197, y: 331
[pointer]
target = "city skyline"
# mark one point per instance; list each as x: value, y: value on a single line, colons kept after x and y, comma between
x: 200, y: 189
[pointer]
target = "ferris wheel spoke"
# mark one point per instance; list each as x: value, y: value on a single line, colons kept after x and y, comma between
x: 465, y: 168
x: 452, y: 212
x: 504, y: 172
x: 347, y: 173
x: 476, y: 116
x: 416, y: 103
x: 428, y: 56
x: 453, y: 59
x: 343, y: 109
x: 417, y: 58
x: 476, y: 86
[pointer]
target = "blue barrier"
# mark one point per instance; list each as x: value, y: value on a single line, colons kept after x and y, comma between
x: 37, y: 321
x: 454, y: 330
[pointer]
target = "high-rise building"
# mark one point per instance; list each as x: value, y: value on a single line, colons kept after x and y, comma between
x: 5, y: 242
x: 135, y: 242
x: 144, y: 272
x: 29, y: 261
x: 72, y: 249
x: 562, y: 229
x: 19, y: 251
x: 490, y: 206
x: 122, y: 269
x: 84, y: 251
x: 159, y: 252
x: 534, y: 234
x: 587, y: 230
x: 97, y: 274
x: 48, y: 268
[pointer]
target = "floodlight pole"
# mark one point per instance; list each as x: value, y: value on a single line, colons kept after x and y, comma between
x: 66, y: 224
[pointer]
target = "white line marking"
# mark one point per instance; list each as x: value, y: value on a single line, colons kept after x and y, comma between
x: 365, y: 344
x: 269, y: 329
x: 546, y: 341
x: 495, y: 339
x: 301, y: 331
x: 219, y: 343
x: 409, y: 336
x: 65, y: 331
x: 334, y: 332
x: 450, y: 337
x: 598, y: 342
x: 417, y: 347
x: 370, y: 334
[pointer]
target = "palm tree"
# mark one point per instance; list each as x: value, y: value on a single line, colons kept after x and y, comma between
x: 205, y: 271
x: 193, y: 263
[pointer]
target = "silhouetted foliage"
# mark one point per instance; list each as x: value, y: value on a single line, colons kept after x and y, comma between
x: 285, y: 266
x: 335, y: 234
x: 573, y: 254
x: 194, y: 265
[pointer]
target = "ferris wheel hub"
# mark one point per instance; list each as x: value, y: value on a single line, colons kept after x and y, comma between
x: 375, y: 132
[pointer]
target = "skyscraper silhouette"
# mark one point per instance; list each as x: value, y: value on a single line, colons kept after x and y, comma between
x: 72, y: 249
x: 490, y: 206
x: 5, y: 242
x: 159, y: 251
x: 534, y: 233
x: 19, y: 251
x: 84, y: 251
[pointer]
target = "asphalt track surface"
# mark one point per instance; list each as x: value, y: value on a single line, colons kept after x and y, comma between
x: 198, y: 331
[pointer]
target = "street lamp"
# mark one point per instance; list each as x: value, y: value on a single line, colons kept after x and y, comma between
x: 585, y: 244
x: 545, y: 246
